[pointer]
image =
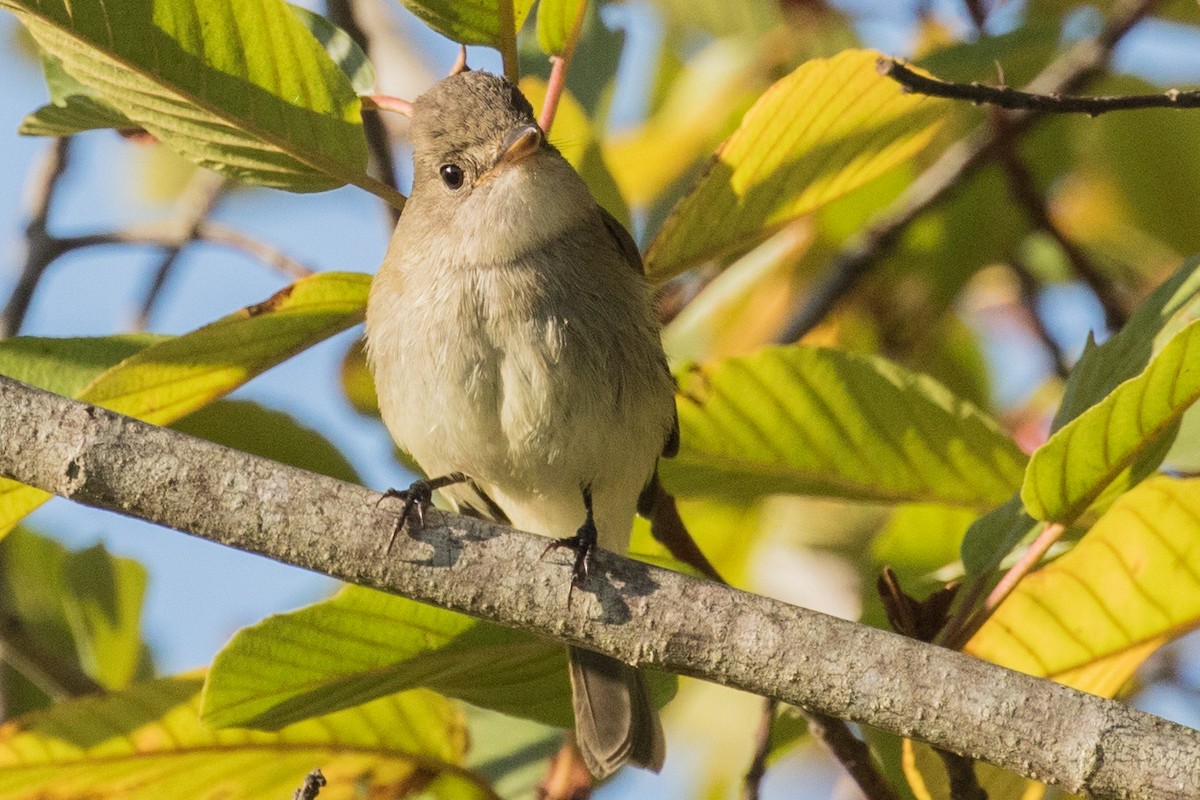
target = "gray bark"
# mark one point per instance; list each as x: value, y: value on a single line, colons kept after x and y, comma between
x: 630, y: 610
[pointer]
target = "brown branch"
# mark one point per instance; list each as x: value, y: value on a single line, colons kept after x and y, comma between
x: 313, y: 782
x: 1016, y: 99
x: 1024, y: 190
x: 752, y: 782
x: 1030, y: 290
x: 632, y: 611
x: 964, y: 783
x: 1070, y: 70
x: 854, y: 755
x: 194, y: 205
x: 40, y: 247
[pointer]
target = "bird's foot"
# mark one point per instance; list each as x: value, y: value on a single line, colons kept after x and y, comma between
x: 417, y: 498
x: 583, y: 543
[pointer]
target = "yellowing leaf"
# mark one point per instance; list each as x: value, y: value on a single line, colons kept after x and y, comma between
x: 804, y: 420
x: 148, y: 743
x: 176, y: 376
x: 823, y: 131
x: 1092, y: 616
x: 241, y: 88
x: 469, y: 22
x: 1118, y: 441
x: 555, y: 23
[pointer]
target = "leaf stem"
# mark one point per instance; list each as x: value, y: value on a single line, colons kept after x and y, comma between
x: 559, y: 64
x: 508, y: 40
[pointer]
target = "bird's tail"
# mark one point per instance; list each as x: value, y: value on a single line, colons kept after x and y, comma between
x: 615, y: 720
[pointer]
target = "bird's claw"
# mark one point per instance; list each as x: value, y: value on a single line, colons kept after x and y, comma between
x: 417, y: 497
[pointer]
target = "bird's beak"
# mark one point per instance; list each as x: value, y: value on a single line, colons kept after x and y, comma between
x: 520, y: 144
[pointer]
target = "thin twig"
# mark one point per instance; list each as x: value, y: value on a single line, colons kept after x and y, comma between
x: 1030, y: 290
x: 752, y: 782
x: 1024, y: 190
x: 853, y: 754
x: 1016, y: 99
x: 964, y: 783
x: 978, y: 13
x: 313, y: 782
x: 40, y: 247
x: 1070, y: 70
x: 195, y: 204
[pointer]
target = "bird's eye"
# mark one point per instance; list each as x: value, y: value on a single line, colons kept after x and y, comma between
x: 452, y: 175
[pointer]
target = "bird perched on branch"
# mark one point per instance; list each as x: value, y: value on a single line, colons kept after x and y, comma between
x: 516, y: 357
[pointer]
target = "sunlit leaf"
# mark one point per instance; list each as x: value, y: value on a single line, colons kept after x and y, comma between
x: 178, y: 375
x: 73, y: 106
x: 362, y: 644
x: 1090, y: 617
x: 1167, y: 310
x: 1118, y: 441
x: 341, y: 47
x: 826, y: 129
x: 148, y: 742
x: 555, y: 22
x: 242, y: 88
x: 824, y: 422
x: 475, y: 22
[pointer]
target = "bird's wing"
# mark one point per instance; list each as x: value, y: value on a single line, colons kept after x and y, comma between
x: 628, y: 248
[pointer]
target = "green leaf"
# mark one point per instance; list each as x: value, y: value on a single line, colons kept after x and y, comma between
x: 81, y: 610
x: 344, y: 51
x: 991, y: 537
x: 830, y: 127
x: 1167, y: 310
x: 804, y: 420
x: 1120, y: 440
x: 362, y: 644
x: 475, y: 22
x: 242, y: 88
x: 66, y: 366
x: 73, y: 107
x: 555, y: 23
x: 176, y: 376
x: 1092, y: 616
x: 251, y: 428
x: 148, y: 743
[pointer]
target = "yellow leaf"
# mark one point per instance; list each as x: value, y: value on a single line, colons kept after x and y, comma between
x: 168, y: 380
x: 830, y: 127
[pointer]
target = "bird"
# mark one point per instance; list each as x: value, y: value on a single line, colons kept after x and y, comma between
x: 517, y: 359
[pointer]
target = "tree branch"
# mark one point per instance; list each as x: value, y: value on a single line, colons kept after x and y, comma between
x: 630, y: 610
x: 1015, y: 99
x: 1073, y: 68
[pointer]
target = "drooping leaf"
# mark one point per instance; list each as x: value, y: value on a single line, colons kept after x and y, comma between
x: 242, y: 88
x: 251, y: 428
x: 993, y: 536
x: 362, y: 644
x: 826, y: 129
x: 178, y: 375
x: 1167, y: 310
x: 77, y: 611
x: 555, y: 22
x: 807, y: 420
x: 73, y: 106
x: 1120, y: 440
x: 148, y: 743
x: 475, y: 22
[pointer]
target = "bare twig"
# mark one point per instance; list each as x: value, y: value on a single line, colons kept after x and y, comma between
x: 978, y: 13
x: 194, y: 205
x: 1014, y: 99
x: 1030, y: 289
x: 629, y: 610
x: 40, y: 247
x: 1024, y: 189
x: 964, y: 783
x: 752, y: 782
x: 313, y: 782
x: 1070, y: 70
x: 854, y: 755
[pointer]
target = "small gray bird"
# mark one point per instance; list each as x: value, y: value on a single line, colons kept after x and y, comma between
x: 514, y: 349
